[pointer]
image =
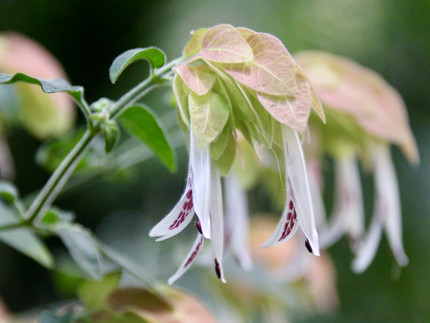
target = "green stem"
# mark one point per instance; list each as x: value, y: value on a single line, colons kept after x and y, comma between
x: 141, y: 89
x: 59, y: 178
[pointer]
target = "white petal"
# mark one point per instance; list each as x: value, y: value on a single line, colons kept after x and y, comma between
x: 388, y: 207
x: 298, y: 186
x: 178, y: 218
x: 236, y: 213
x: 216, y: 218
x: 367, y: 250
x: 316, y: 187
x: 348, y: 209
x: 200, y: 166
x: 189, y: 259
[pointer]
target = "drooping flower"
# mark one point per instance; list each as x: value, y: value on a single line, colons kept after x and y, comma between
x: 237, y: 80
x: 365, y: 115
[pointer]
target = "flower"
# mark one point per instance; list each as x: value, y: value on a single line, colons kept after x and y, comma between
x: 365, y: 114
x: 235, y: 80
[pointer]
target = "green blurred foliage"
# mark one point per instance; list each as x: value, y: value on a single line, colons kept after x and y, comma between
x: 392, y: 37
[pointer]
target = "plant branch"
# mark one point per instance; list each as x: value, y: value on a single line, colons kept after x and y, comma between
x: 60, y: 176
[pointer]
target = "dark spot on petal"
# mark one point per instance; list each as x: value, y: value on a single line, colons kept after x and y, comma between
x: 308, y: 246
x: 199, y: 227
x: 217, y: 269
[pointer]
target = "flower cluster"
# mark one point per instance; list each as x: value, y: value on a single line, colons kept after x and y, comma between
x: 364, y: 115
x: 235, y: 80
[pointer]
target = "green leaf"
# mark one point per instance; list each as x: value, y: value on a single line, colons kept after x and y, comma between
x: 95, y: 293
x: 181, y: 99
x: 225, y: 162
x: 195, y: 42
x: 22, y: 239
x: 110, y: 132
x: 50, y: 86
x: 153, y: 55
x: 209, y: 113
x: 8, y: 191
x: 83, y: 248
x: 141, y: 123
x: 218, y: 146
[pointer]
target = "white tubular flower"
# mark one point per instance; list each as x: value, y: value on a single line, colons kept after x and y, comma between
x: 237, y: 221
x: 365, y: 114
x: 202, y: 196
x: 298, y: 209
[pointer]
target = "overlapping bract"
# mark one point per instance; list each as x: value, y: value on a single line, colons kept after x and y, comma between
x: 235, y: 80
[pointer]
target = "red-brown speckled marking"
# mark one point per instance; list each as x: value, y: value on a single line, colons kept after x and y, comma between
x: 291, y: 220
x: 186, y: 210
x: 194, y: 254
x: 217, y: 269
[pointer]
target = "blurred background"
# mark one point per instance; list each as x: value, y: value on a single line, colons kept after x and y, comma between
x: 391, y: 37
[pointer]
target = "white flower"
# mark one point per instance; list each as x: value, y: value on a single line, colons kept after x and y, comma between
x: 203, y: 197
x: 298, y: 209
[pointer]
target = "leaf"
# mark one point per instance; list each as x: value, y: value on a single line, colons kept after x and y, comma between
x: 8, y: 191
x: 272, y: 70
x: 197, y: 76
x: 292, y: 111
x: 181, y: 99
x: 96, y: 293
x: 110, y: 133
x: 224, y: 44
x: 23, y: 240
x: 142, y: 124
x: 153, y: 55
x: 195, y: 43
x: 49, y: 86
x: 225, y: 162
x: 218, y: 146
x: 209, y: 114
x: 83, y: 248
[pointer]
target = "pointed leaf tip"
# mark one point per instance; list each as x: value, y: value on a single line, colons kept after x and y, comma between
x: 153, y: 55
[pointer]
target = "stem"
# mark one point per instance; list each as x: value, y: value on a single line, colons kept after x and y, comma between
x: 141, y: 89
x: 59, y: 178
